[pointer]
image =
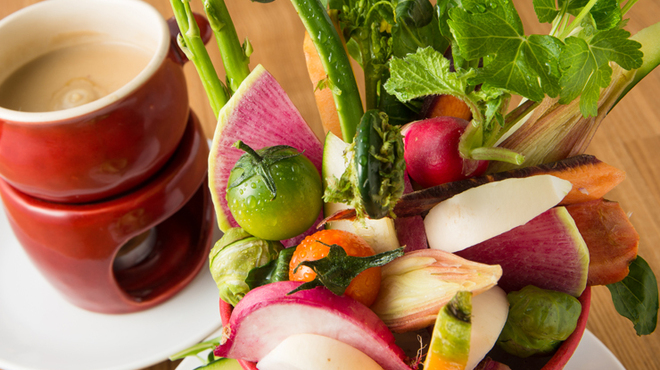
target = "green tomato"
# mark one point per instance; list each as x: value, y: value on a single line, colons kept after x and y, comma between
x: 274, y: 193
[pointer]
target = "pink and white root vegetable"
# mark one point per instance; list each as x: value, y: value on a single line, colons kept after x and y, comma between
x: 267, y: 315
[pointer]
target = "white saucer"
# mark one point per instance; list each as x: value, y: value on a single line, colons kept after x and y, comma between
x: 40, y: 330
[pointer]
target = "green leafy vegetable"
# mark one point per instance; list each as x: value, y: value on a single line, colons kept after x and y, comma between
x: 572, y: 61
x: 636, y: 297
x: 275, y: 270
x: 525, y: 65
x: 416, y: 26
x: 376, y: 30
x: 586, y: 66
x: 546, y: 10
x: 336, y: 270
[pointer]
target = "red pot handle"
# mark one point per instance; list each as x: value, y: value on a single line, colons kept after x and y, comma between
x: 205, y: 32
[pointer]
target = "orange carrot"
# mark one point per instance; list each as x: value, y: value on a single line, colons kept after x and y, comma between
x: 446, y: 106
x: 611, y: 238
x: 325, y: 102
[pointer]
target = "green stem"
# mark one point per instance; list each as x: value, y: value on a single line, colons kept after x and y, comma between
x: 192, y: 45
x: 335, y: 62
x: 234, y: 58
x: 511, y: 119
x: 629, y: 4
x: 578, y: 19
x: 497, y: 154
x: 371, y: 82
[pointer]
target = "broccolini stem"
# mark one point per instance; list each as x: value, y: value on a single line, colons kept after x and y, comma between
x: 192, y: 45
x: 234, y: 57
x: 335, y: 61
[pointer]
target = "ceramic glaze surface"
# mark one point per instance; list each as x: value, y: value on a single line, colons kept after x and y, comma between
x: 108, y: 146
x: 74, y: 245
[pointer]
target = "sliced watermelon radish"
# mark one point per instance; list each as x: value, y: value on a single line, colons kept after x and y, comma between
x: 547, y: 252
x: 260, y: 114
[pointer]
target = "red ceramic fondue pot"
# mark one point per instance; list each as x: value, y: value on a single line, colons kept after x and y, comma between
x: 75, y: 246
x: 107, y: 146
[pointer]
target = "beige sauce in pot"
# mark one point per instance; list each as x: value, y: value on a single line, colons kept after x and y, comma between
x: 72, y: 76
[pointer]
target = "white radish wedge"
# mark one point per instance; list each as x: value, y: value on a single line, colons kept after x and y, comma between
x: 315, y: 352
x: 481, y: 213
x: 489, y: 312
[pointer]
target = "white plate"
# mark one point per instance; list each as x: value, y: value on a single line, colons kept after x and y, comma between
x: 591, y: 354
x: 40, y: 330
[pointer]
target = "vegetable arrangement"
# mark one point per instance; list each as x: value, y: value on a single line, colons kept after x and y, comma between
x: 484, y: 200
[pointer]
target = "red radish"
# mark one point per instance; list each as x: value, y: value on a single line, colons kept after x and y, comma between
x: 431, y: 151
x: 267, y: 315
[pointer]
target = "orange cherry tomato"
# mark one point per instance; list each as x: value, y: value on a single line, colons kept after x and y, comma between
x: 363, y: 288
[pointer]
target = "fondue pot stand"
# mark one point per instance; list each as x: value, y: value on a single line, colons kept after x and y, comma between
x: 129, y: 252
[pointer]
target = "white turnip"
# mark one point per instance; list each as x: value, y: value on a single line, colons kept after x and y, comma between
x: 312, y: 351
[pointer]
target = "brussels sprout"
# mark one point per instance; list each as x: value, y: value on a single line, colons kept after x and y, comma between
x: 539, y: 320
x: 232, y: 258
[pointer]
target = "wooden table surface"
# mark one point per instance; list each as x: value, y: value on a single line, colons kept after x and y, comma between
x: 629, y: 138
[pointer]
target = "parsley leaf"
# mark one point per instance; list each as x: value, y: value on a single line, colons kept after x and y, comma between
x: 586, y: 65
x: 527, y: 66
x: 416, y: 26
x: 424, y: 73
x: 606, y: 14
x: 546, y: 11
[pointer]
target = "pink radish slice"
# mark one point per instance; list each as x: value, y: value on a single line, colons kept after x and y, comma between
x: 267, y: 315
x: 260, y: 114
